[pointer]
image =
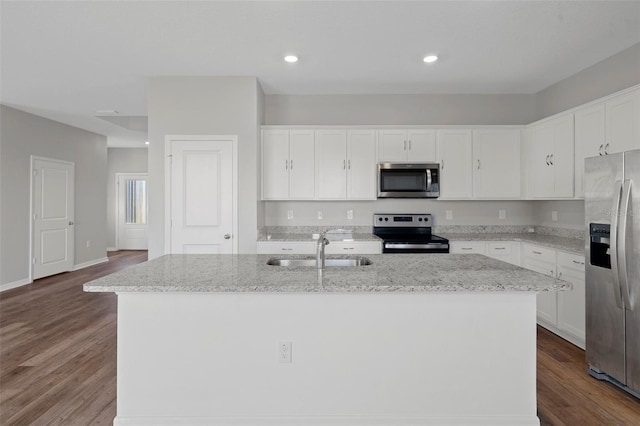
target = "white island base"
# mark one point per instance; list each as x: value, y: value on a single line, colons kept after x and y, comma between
x: 423, y: 358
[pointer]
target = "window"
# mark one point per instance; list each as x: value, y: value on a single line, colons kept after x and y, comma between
x: 136, y: 207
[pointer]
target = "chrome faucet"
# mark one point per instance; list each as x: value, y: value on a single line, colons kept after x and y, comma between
x: 322, y: 242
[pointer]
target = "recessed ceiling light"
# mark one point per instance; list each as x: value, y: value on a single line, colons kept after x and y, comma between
x: 291, y: 58
x: 430, y: 58
x: 146, y: 142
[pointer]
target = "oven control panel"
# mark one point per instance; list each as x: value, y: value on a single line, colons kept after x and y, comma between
x: 402, y: 220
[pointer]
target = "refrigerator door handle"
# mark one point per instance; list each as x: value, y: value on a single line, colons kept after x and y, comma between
x: 615, y: 214
x: 622, y: 242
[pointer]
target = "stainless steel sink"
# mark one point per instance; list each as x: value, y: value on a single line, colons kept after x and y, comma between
x: 354, y: 261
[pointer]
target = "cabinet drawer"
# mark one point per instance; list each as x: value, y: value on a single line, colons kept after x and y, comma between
x: 478, y: 247
x: 571, y: 261
x: 542, y: 254
x: 499, y: 248
x: 286, y: 247
x: 354, y: 247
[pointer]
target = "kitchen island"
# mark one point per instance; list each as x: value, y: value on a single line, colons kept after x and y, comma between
x: 409, y: 340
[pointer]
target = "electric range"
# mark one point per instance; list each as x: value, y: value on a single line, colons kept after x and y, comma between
x: 408, y: 233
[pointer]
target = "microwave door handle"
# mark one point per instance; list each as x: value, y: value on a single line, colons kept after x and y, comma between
x: 622, y: 244
x: 615, y: 214
x: 428, y: 180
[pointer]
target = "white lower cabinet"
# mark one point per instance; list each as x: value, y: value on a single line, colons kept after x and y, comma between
x: 468, y: 247
x: 507, y: 251
x: 310, y: 247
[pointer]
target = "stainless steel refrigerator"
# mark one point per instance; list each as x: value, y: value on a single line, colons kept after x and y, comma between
x: 612, y: 216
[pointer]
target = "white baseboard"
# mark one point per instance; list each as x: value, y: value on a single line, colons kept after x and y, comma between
x: 112, y: 249
x: 90, y: 263
x: 328, y: 421
x: 19, y: 283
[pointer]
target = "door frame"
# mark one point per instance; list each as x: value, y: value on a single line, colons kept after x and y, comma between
x: 118, y: 175
x: 32, y: 193
x: 168, y: 140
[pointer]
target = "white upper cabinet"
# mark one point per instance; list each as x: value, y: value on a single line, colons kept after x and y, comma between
x: 288, y: 164
x: 346, y: 164
x: 623, y: 123
x: 411, y: 145
x: 361, y: 165
x: 496, y: 163
x: 552, y: 158
x: 590, y: 140
x: 455, y: 158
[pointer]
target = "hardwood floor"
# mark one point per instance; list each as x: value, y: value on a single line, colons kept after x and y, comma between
x: 58, y: 360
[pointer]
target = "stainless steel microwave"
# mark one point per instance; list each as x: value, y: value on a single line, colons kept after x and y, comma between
x: 397, y: 180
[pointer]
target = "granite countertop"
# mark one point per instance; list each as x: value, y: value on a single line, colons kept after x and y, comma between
x: 388, y: 273
x: 572, y: 245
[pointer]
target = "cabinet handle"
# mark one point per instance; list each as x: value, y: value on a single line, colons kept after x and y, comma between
x: 409, y: 144
x: 405, y: 145
x: 499, y: 248
x: 551, y: 273
x: 291, y: 165
x: 466, y: 248
x: 286, y: 249
x: 600, y: 149
x: 537, y: 252
x: 606, y: 149
x: 347, y: 248
x: 442, y: 165
x: 286, y: 164
x: 560, y: 274
x: 551, y: 159
x: 349, y: 164
x: 577, y: 263
x: 478, y: 164
x: 344, y: 164
x: 547, y: 160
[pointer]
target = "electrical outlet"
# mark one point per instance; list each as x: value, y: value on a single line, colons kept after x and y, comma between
x: 284, y: 352
x: 289, y: 214
x: 350, y: 214
x: 502, y: 214
x: 319, y: 214
x: 449, y: 214
x: 88, y: 243
x: 554, y: 216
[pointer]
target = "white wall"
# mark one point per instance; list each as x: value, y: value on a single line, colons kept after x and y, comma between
x: 23, y: 135
x: 615, y: 73
x: 399, y: 109
x: 570, y: 213
x: 120, y: 160
x: 205, y: 106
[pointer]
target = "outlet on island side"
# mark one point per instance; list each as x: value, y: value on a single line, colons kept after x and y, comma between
x: 284, y: 352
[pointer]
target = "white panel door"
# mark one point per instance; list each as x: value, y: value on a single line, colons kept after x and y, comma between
x: 421, y: 145
x: 331, y: 148
x: 392, y: 145
x: 201, y: 196
x: 361, y: 165
x: 53, y: 216
x: 132, y: 212
x: 454, y: 152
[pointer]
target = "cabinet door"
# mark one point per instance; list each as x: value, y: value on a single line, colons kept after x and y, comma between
x: 354, y: 247
x: 571, y: 304
x: 302, y: 164
x: 496, y: 163
x: 275, y: 164
x: 589, y: 141
x: 421, y: 145
x: 563, y: 158
x: 286, y: 247
x: 623, y: 123
x: 331, y: 157
x: 454, y: 152
x: 541, y: 170
x: 392, y: 146
x: 468, y: 247
x: 361, y: 165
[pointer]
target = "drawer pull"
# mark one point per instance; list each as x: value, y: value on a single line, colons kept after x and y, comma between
x: 499, y: 248
x: 577, y: 263
x: 286, y: 249
x: 537, y: 252
x: 347, y: 248
x: 466, y: 248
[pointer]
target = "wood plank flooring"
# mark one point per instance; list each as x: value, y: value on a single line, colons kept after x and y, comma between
x: 58, y: 360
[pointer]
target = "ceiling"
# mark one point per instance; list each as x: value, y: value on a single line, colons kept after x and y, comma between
x: 67, y: 60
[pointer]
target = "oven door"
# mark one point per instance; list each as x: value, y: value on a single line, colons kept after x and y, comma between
x: 415, y: 247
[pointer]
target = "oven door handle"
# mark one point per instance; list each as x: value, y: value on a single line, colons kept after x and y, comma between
x: 415, y: 246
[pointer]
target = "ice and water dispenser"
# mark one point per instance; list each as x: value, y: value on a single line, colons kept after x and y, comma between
x: 599, y: 237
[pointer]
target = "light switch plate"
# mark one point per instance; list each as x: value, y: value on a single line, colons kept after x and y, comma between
x: 502, y: 214
x: 350, y: 214
x: 289, y: 214
x: 449, y: 214
x: 554, y: 216
x: 319, y: 214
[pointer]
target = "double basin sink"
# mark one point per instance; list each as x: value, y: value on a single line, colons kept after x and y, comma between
x: 311, y: 262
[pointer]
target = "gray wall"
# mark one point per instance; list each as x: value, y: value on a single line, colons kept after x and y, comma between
x: 23, y: 135
x: 120, y: 160
x: 570, y: 213
x: 615, y: 73
x: 399, y: 109
x: 205, y: 106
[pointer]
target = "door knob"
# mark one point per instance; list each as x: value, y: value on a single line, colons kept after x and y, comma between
x: 227, y: 236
